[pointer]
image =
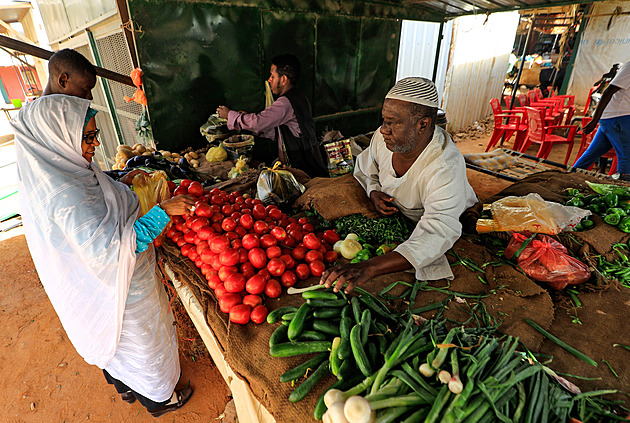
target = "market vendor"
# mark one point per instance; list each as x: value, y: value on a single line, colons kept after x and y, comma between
x: 70, y: 73
x: 94, y: 254
x: 411, y: 166
x: 613, y: 116
x: 288, y: 122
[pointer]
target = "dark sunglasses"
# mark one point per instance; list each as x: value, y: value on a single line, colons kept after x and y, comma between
x: 91, y: 137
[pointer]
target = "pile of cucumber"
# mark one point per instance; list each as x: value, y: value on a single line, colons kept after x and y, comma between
x: 349, y: 335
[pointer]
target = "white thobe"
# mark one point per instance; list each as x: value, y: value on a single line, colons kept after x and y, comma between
x: 434, y: 192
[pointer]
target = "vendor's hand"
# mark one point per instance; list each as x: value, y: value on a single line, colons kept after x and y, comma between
x: 382, y: 203
x: 178, y: 205
x: 223, y: 111
x: 353, y: 274
x: 128, y: 178
x: 590, y: 127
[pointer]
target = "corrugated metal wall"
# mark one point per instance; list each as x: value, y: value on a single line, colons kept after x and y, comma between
x: 418, y: 44
x: 600, y: 47
x: 61, y: 17
x: 480, y: 50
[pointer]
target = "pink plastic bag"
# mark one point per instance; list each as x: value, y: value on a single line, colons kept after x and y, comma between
x: 546, y: 260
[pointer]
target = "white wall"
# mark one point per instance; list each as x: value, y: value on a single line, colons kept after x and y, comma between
x: 478, y: 64
x: 600, y: 47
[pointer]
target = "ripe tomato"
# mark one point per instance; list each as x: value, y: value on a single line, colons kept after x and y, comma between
x: 279, y: 233
x: 229, y: 257
x: 228, y: 301
x: 246, y: 221
x: 196, y: 189
x: 331, y: 256
x: 302, y: 271
x: 235, y: 282
x: 193, y: 255
x: 213, y: 280
x: 274, y: 252
x: 261, y: 227
x: 171, y: 185
x: 180, y: 190
x: 181, y: 241
x: 313, y: 255
x: 331, y: 236
x: 288, y: 279
x: 185, y: 249
x: 259, y: 314
x: 189, y: 236
x: 227, y: 209
x: 203, y: 245
x: 203, y: 210
x: 248, y: 270
x: 317, y: 267
x: 229, y: 224
x: 289, y: 242
x: 236, y: 243
x: 242, y: 255
x: 185, y: 183
x: 302, y: 220
x: 207, y: 256
x: 276, y: 267
x: 215, y: 191
x: 275, y: 213
x: 292, y: 226
x: 199, y: 223
x: 250, y: 241
x: 236, y: 215
x: 218, y: 244
x: 219, y: 290
x: 299, y: 253
x: 289, y: 261
x: 226, y: 271
x: 231, y: 236
x: 264, y: 273
x: 240, y: 231
x: 308, y: 227
x: 217, y: 200
x: 204, y: 232
x: 259, y: 212
x: 217, y: 227
x: 205, y: 268
x: 267, y: 240
x: 273, y: 288
x: 256, y: 284
x: 240, y: 314
x: 252, y: 300
x: 257, y: 257
x: 311, y: 241
x: 296, y: 234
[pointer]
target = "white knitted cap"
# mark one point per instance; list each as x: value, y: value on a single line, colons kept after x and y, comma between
x: 415, y: 90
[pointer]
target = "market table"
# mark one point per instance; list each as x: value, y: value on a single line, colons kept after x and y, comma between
x: 242, y: 353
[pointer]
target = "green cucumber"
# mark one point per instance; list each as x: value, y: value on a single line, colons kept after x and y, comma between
x: 348, y: 369
x: 312, y: 335
x: 279, y: 335
x: 289, y: 349
x: 326, y: 313
x: 359, y: 353
x: 376, y: 308
x: 345, y: 326
x: 334, y: 360
x: 319, y: 295
x: 289, y: 316
x: 366, y: 318
x: 277, y: 314
x: 297, y: 324
x: 305, y: 387
x: 346, y: 311
x: 299, y: 371
x: 326, y: 303
x: 356, y: 309
x: 326, y: 326
x: 373, y: 355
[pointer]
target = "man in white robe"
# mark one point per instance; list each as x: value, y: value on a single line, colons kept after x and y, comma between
x: 413, y: 167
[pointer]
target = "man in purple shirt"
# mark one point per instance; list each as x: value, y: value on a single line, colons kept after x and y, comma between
x: 288, y: 121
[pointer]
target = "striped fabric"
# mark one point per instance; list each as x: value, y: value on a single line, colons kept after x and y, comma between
x: 415, y: 90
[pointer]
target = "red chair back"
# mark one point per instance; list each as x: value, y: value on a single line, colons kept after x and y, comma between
x: 532, y: 96
x: 507, y: 99
x: 535, y: 125
x: 539, y: 94
x: 496, y: 111
x: 522, y: 98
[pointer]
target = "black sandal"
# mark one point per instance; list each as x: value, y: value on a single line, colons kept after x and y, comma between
x: 128, y: 397
x: 182, y: 398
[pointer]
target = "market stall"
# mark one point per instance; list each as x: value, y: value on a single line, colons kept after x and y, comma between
x: 586, y: 316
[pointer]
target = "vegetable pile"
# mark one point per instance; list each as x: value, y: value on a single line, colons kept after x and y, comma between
x: 611, y: 202
x: 394, y: 369
x: 248, y: 251
x: 394, y: 228
x: 618, y: 269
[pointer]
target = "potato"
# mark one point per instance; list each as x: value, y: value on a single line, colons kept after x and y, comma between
x: 176, y: 155
x: 187, y: 157
x: 147, y: 153
x: 193, y: 155
x: 195, y: 165
x: 124, y: 147
x: 139, y: 148
x: 194, y: 162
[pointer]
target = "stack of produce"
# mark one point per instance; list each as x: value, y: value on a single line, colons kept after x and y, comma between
x: 126, y: 152
x: 612, y: 202
x: 248, y: 251
x: 394, y: 370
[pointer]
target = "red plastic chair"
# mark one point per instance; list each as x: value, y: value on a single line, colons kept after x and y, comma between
x: 523, y: 101
x: 586, y: 141
x: 515, y: 124
x: 539, y: 133
x: 551, y: 108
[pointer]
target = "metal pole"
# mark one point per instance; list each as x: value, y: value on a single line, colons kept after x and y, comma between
x: 520, y: 68
x: 437, y: 53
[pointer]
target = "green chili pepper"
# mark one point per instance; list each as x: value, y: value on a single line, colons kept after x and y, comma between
x: 616, y: 210
x: 572, y: 192
x: 587, y: 224
x: 590, y: 198
x: 575, y: 202
x: 624, y: 225
x: 611, y: 200
x: 595, y: 208
x: 578, y: 227
x: 612, y: 219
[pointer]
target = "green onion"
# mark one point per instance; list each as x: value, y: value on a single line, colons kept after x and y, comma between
x: 562, y: 344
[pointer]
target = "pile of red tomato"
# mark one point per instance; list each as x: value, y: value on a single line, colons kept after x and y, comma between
x: 248, y: 251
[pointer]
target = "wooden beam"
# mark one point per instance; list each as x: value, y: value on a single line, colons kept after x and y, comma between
x: 45, y: 54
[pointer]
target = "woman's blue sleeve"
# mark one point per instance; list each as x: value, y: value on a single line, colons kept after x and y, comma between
x: 149, y: 226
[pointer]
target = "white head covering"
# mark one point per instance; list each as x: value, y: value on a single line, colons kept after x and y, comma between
x: 78, y: 224
x: 415, y: 90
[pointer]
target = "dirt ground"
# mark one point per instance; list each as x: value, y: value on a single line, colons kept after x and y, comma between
x: 45, y: 380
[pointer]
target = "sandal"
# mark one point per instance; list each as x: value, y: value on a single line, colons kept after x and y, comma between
x: 128, y: 397
x: 182, y: 398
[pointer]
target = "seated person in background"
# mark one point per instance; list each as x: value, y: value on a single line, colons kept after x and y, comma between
x: 414, y: 167
x: 288, y: 121
x: 70, y: 73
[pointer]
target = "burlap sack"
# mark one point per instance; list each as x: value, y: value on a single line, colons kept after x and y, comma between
x: 336, y: 197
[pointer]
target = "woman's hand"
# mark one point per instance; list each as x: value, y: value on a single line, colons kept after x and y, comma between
x: 128, y: 178
x: 353, y: 274
x: 179, y: 205
x: 381, y: 202
x: 223, y: 111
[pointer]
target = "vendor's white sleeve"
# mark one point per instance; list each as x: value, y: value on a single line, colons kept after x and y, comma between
x: 366, y: 168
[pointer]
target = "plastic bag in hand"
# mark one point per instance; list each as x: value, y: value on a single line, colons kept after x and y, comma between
x: 276, y: 186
